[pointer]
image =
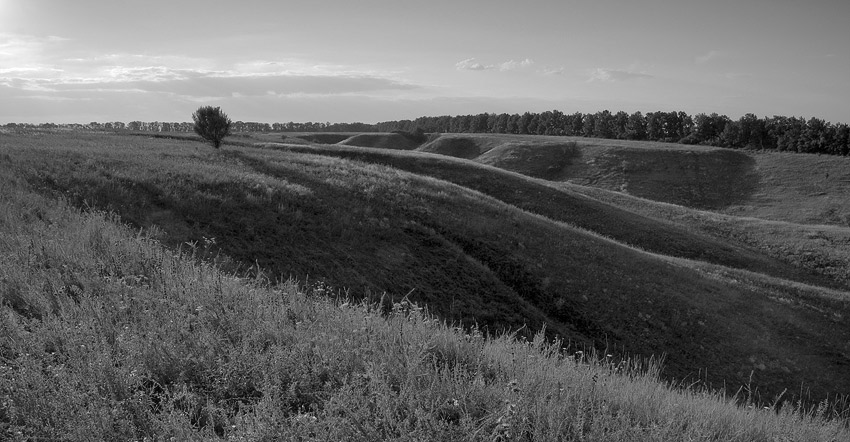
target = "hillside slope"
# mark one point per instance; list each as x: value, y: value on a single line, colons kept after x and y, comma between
x: 465, y: 255
x: 798, y: 188
x: 648, y: 230
x: 382, y: 140
x: 107, y: 335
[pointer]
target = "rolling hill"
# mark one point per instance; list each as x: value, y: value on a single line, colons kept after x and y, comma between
x: 809, y: 189
x: 108, y: 335
x: 474, y: 243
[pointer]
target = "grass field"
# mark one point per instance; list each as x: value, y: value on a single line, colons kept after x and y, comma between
x: 807, y: 189
x: 473, y: 243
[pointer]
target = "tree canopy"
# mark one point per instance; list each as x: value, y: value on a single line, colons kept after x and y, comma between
x: 212, y: 124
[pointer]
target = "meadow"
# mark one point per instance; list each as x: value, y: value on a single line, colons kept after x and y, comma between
x: 149, y: 290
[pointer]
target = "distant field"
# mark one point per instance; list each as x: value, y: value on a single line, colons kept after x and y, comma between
x: 473, y: 243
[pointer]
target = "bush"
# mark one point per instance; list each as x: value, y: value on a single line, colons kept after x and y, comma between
x: 211, y: 124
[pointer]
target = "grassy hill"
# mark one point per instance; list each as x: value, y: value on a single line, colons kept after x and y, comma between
x: 107, y: 335
x: 634, y: 221
x: 472, y: 242
x: 382, y: 140
x: 808, y: 189
x: 794, y: 208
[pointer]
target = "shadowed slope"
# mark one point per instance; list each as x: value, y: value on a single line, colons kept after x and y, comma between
x: 572, y: 207
x: 705, y: 179
x: 466, y: 146
x: 799, y: 188
x: 325, y: 138
x: 467, y: 256
x: 141, y: 343
x: 382, y: 141
x: 546, y: 160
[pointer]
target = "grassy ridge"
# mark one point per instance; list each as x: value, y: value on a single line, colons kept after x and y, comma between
x: 383, y: 141
x: 570, y: 204
x: 468, y: 256
x: 775, y: 186
x: 106, y: 335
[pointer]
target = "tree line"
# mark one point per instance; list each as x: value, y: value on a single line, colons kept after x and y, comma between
x: 779, y: 133
x: 164, y: 126
x: 792, y: 134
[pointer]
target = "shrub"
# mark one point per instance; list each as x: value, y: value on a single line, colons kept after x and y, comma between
x: 211, y: 124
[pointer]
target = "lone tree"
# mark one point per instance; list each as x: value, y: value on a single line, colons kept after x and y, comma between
x: 211, y: 124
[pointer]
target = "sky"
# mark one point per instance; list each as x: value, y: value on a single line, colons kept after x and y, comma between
x: 77, y: 61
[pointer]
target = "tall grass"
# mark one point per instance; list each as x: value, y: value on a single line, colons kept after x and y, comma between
x: 107, y: 335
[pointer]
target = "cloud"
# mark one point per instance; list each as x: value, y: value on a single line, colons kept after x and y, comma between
x: 470, y: 64
x: 615, y: 75
x: 708, y: 56
x: 553, y: 71
x: 22, y: 44
x: 184, y: 76
x: 512, y: 65
x: 188, y: 83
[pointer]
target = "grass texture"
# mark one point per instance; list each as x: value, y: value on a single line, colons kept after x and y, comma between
x: 107, y: 335
x: 476, y: 245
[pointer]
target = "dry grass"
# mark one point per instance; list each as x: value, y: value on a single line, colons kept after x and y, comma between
x: 106, y: 335
x: 468, y: 256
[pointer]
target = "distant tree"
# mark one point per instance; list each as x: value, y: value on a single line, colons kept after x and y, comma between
x: 621, y: 123
x: 513, y: 124
x: 636, y: 127
x: 575, y: 127
x: 211, y: 124
x: 654, y: 126
x: 544, y: 123
x: 731, y: 135
x: 812, y: 138
x: 559, y: 120
x: 674, y: 126
x: 478, y: 123
x: 603, y: 124
x: 589, y: 125
x: 524, y: 122
x: 501, y: 124
x: 708, y: 128
x: 533, y: 123
x: 842, y: 138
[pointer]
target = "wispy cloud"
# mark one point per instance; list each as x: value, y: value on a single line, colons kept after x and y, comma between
x: 471, y: 64
x: 27, y: 66
x: 189, y: 83
x: 512, y: 65
x: 553, y: 71
x: 18, y: 45
x: 614, y: 75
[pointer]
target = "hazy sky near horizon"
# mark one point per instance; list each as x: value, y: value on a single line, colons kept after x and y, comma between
x: 375, y: 60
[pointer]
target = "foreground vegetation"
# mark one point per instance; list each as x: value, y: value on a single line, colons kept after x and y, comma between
x: 107, y: 335
x: 476, y: 244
